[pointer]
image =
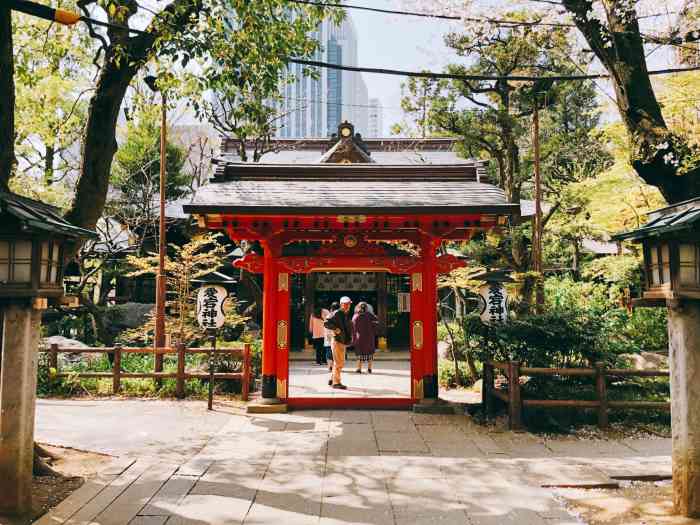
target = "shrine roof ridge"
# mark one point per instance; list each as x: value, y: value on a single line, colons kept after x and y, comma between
x: 375, y: 144
x: 300, y: 196
x: 228, y: 170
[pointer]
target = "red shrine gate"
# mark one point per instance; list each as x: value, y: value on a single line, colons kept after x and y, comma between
x: 350, y: 243
x: 349, y: 213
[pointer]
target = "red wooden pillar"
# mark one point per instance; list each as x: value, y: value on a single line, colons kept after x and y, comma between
x: 417, y: 332
x: 430, y: 298
x: 282, y: 332
x: 269, y: 357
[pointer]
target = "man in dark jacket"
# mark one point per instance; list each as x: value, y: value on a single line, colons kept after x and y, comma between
x: 341, y: 324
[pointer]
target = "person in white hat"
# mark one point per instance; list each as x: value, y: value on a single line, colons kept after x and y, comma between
x: 341, y: 324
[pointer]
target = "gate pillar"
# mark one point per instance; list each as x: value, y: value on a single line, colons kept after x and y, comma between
x: 269, y: 351
x: 430, y: 297
x: 282, y: 332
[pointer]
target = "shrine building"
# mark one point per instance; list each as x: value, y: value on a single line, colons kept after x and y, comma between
x: 367, y: 219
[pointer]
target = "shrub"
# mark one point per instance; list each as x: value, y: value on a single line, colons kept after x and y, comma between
x: 446, y: 374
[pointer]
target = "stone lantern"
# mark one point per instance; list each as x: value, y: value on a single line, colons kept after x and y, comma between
x: 671, y: 246
x: 33, y: 242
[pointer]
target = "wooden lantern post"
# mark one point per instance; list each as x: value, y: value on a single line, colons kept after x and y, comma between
x: 33, y: 239
x: 671, y: 244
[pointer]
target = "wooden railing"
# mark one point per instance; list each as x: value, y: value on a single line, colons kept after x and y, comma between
x: 515, y: 403
x: 180, y: 375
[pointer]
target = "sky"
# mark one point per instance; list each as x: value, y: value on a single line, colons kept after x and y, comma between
x: 398, y: 42
x: 413, y: 43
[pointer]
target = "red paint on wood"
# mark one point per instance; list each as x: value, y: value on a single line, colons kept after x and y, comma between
x: 428, y: 247
x: 269, y: 364
x: 282, y: 286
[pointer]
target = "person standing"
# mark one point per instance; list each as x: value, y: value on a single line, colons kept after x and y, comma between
x: 364, y: 336
x: 328, y: 337
x: 341, y: 324
x: 318, y: 332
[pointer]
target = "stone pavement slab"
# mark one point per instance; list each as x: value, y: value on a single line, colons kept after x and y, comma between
x: 336, y: 468
x: 388, y: 379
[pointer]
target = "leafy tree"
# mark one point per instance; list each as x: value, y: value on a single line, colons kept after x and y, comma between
x: 52, y: 80
x: 237, y: 40
x: 660, y: 156
x: 136, y: 175
x: 245, y: 114
x: 200, y: 256
x: 611, y: 28
x: 417, y: 104
x: 492, y: 117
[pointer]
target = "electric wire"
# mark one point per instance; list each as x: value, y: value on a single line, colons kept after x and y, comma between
x: 450, y: 76
x: 502, y: 21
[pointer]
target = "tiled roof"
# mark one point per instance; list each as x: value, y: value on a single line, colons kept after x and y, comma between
x: 350, y: 195
x: 40, y: 216
x: 676, y: 218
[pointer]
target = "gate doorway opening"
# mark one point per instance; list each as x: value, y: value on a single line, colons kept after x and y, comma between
x: 391, y: 367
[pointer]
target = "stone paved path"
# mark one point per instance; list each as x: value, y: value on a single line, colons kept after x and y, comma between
x: 342, y: 467
x: 388, y: 379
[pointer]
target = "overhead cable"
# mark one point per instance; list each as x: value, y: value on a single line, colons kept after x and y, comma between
x: 502, y: 21
x: 451, y: 76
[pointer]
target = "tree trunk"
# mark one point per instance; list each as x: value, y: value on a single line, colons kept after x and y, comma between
x: 254, y: 294
x: 97, y: 315
x: 7, y: 99
x: 576, y: 262
x: 526, y: 292
x: 48, y: 164
x: 99, y: 140
x: 657, y: 154
x: 122, y: 60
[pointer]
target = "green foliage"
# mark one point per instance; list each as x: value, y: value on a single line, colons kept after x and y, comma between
x: 201, y: 256
x: 620, y: 271
x: 582, y: 323
x: 446, y: 374
x: 136, y: 175
x: 51, y: 81
x: 561, y: 338
x: 241, y: 49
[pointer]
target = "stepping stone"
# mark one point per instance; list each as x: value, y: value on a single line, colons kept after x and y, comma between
x: 164, y: 502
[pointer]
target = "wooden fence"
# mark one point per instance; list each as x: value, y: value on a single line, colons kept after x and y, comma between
x: 117, y: 374
x: 515, y: 403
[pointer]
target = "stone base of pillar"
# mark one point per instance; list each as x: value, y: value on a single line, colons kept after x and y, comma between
x: 267, y: 406
x: 434, y: 406
x: 269, y: 387
x: 684, y: 345
x: 430, y: 387
x: 20, y: 340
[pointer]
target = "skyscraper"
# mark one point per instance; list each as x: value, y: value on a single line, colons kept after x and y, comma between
x: 375, y: 126
x: 313, y: 107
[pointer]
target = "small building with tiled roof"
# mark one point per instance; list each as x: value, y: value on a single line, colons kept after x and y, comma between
x: 343, y: 218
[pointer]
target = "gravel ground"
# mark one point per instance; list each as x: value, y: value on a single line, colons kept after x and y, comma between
x: 634, y: 503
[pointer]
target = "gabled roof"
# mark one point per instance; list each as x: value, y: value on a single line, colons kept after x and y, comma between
x: 680, y: 217
x: 40, y: 216
x: 214, y: 278
x: 348, y: 150
x: 350, y: 189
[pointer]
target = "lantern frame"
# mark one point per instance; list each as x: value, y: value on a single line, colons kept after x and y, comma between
x: 45, y: 238
x: 671, y: 248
